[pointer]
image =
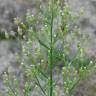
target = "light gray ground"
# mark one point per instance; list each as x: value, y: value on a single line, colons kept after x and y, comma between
x: 87, y: 22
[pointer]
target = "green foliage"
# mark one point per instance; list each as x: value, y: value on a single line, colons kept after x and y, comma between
x: 48, y: 44
x: 4, y: 35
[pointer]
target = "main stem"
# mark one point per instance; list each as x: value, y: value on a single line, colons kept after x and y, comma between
x: 51, y: 53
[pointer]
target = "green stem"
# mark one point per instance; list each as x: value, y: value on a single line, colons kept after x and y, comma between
x: 38, y: 83
x: 51, y: 54
x: 70, y: 91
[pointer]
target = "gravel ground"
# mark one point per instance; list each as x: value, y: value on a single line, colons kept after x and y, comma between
x: 87, y: 23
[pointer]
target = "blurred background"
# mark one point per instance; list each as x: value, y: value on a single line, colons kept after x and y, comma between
x: 10, y: 9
